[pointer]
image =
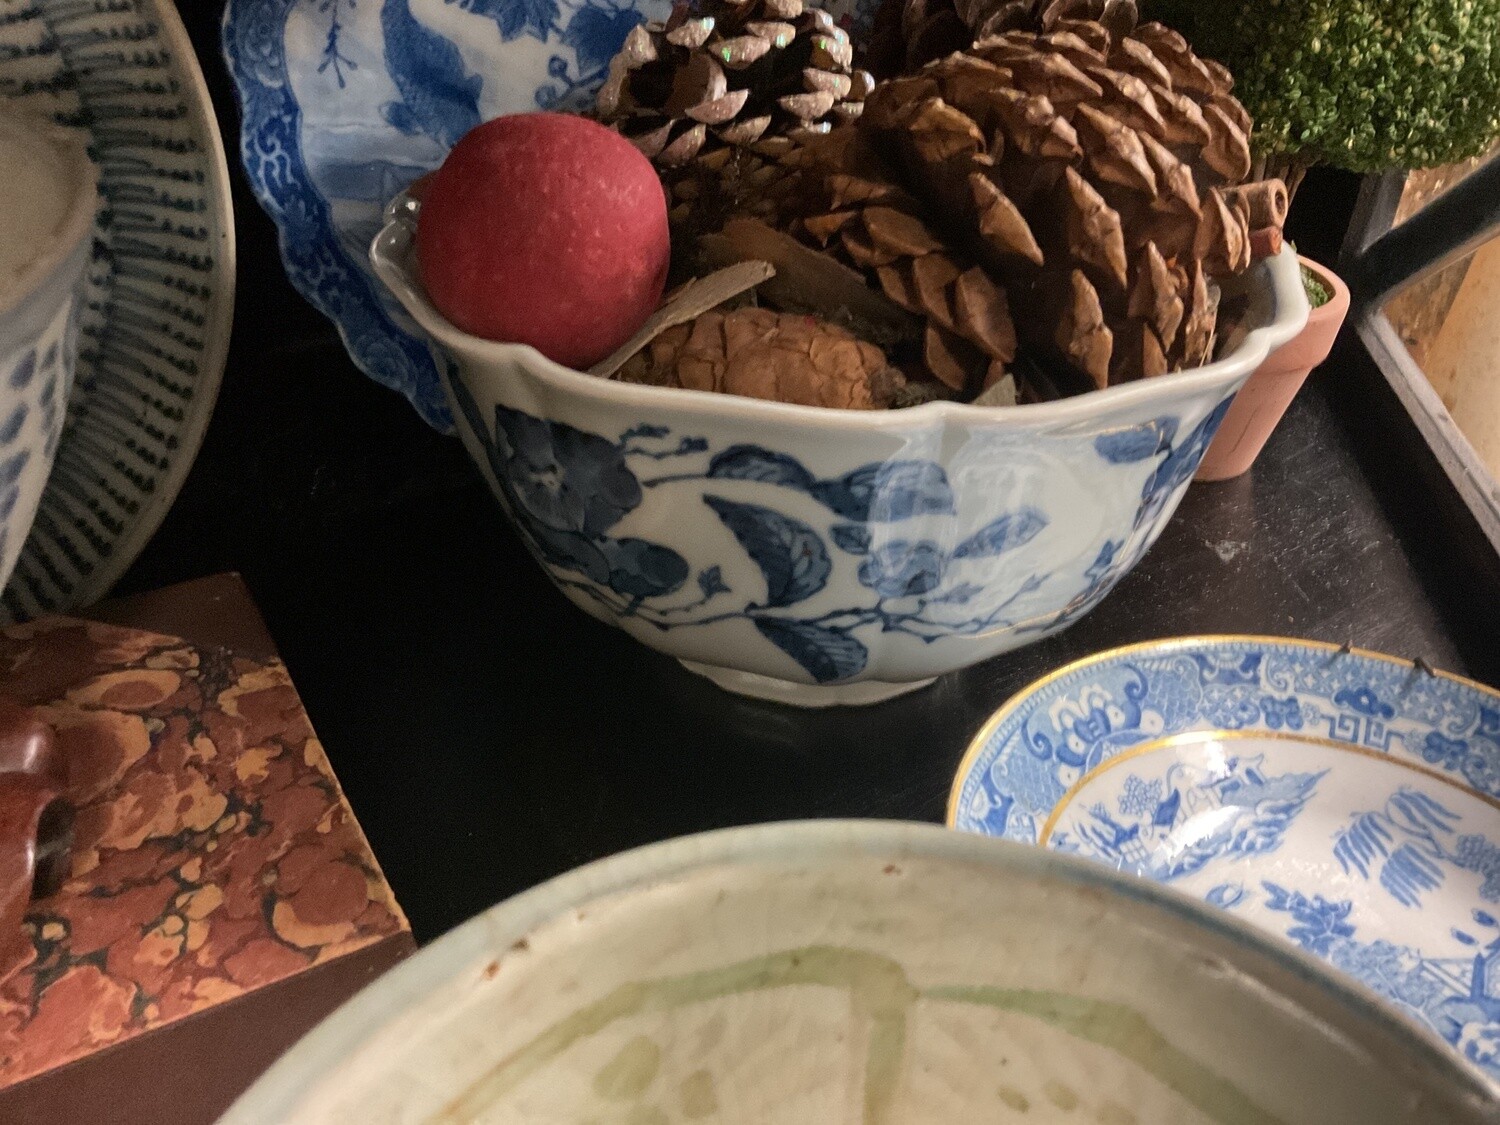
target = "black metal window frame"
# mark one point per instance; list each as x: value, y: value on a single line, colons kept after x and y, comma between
x: 1378, y: 260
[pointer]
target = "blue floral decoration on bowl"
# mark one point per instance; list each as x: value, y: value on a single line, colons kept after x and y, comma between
x: 567, y: 490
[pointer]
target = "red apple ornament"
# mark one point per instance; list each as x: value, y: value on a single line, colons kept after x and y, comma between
x: 545, y: 229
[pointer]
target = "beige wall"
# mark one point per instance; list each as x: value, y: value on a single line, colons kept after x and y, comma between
x: 1462, y: 359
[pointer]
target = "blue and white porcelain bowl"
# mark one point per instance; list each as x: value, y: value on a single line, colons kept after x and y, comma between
x: 804, y: 555
x: 50, y: 198
x: 821, y: 556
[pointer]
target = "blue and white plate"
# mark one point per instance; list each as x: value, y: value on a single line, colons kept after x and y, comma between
x: 159, y: 295
x: 1346, y: 801
x: 346, y: 102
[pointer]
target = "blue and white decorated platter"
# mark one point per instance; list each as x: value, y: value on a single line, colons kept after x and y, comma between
x: 1345, y: 801
x: 159, y: 290
x: 346, y: 102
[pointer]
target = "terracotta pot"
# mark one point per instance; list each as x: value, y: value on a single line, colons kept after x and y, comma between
x: 1264, y: 398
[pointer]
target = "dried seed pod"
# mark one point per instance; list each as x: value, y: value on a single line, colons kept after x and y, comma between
x: 824, y: 227
x: 1093, y: 231
x: 1266, y: 202
x: 776, y: 32
x: 879, y: 229
x: 827, y: 81
x: 938, y: 132
x: 1175, y: 187
x: 759, y: 353
x: 862, y: 250
x: 719, y: 111
x: 932, y: 276
x: 980, y: 307
x: 1129, y: 55
x: 684, y: 148
x: 1222, y: 242
x: 1114, y: 151
x: 948, y: 356
x: 689, y: 33
x: 1198, y: 327
x: 910, y: 33
x: 811, y: 282
x: 897, y: 283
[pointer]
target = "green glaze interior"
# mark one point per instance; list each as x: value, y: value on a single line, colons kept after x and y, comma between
x: 859, y: 973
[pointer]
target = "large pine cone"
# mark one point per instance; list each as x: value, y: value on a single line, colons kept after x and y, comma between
x: 1084, y: 179
x: 908, y: 34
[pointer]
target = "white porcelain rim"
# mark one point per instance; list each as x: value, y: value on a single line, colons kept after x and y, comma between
x: 389, y: 253
x: 1347, y: 1008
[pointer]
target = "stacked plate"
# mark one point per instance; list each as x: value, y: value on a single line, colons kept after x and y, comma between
x: 160, y: 283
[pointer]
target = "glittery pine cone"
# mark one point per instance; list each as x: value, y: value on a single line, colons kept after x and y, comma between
x: 729, y: 73
x: 714, y: 94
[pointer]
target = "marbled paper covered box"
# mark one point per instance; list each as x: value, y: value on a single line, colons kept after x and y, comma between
x: 214, y: 858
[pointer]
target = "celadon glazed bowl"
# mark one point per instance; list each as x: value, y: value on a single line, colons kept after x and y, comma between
x: 51, y: 197
x: 820, y: 556
x: 860, y: 973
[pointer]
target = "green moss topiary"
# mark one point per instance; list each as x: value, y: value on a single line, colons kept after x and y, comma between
x: 1360, y: 84
x: 1317, y: 293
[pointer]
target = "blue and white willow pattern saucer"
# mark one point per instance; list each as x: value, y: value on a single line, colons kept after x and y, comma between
x: 1346, y: 801
x: 159, y: 295
x: 346, y: 102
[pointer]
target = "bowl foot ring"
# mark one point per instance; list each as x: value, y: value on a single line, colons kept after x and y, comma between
x: 754, y: 686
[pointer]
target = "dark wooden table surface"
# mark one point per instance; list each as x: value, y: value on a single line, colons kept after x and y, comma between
x: 490, y: 736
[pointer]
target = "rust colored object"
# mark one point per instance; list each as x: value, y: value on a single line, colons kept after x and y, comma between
x: 36, y: 824
x: 1265, y: 242
x: 215, y: 866
x: 26, y: 742
x: 1261, y: 402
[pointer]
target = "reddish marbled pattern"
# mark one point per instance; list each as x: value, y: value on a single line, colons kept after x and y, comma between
x: 214, y: 850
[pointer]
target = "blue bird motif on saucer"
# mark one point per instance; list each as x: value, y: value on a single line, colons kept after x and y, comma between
x: 1346, y: 802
